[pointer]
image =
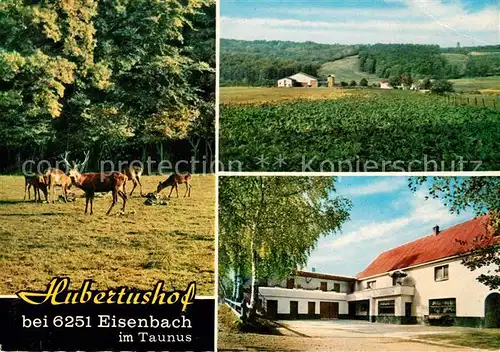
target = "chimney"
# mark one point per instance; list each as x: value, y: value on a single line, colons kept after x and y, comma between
x: 313, y: 269
x: 436, y: 230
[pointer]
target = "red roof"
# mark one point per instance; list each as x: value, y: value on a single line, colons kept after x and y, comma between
x: 449, y: 242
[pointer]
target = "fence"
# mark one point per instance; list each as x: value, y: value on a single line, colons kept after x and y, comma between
x: 474, y: 100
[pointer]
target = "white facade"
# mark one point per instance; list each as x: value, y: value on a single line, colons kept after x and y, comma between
x: 298, y: 79
x: 286, y: 82
x: 385, y: 85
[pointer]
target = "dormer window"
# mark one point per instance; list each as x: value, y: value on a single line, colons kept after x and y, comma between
x: 371, y: 284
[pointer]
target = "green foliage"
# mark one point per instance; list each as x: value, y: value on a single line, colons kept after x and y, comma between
x: 343, y: 84
x: 363, y: 82
x: 442, y: 86
x: 275, y: 222
x: 352, y: 83
x: 262, y: 63
x: 107, y: 75
x: 391, y: 130
x: 394, y: 81
x: 480, y: 194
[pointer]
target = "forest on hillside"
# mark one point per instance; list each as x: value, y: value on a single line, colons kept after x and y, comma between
x: 261, y: 63
x: 121, y: 79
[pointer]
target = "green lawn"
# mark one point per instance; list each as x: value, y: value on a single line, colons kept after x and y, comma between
x: 480, y: 338
x: 346, y: 70
x: 174, y: 242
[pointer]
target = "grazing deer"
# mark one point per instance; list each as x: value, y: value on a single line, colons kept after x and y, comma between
x: 134, y: 174
x: 173, y: 181
x: 91, y: 183
x: 56, y: 177
x: 38, y: 182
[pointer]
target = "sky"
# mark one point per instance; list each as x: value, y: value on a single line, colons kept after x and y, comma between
x: 442, y: 22
x: 385, y: 214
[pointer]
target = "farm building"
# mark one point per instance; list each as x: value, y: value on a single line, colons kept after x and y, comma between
x: 385, y: 85
x: 298, y: 80
x: 419, y: 282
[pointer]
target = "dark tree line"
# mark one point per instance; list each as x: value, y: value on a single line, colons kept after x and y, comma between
x: 124, y: 79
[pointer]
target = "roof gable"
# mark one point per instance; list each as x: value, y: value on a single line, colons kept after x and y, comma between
x: 303, y: 74
x: 430, y: 248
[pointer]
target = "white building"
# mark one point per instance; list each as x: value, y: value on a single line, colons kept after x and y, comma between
x: 385, y: 85
x: 298, y: 80
x: 419, y: 282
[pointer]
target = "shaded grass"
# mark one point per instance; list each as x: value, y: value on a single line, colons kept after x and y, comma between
x: 173, y: 242
x: 480, y: 83
x: 484, y: 338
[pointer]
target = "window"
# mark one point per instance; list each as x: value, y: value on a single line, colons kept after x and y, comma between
x: 336, y: 287
x: 290, y: 283
x: 386, y: 307
x: 371, y: 284
x: 441, y: 273
x: 446, y: 306
x: 324, y: 286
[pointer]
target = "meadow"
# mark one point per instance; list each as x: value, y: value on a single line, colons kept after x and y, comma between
x: 174, y: 242
x: 360, y: 130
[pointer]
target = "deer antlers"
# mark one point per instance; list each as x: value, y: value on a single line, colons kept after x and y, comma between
x: 76, y: 164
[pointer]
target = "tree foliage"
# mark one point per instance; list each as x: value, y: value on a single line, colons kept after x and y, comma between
x: 482, y: 195
x: 272, y: 224
x: 105, y: 75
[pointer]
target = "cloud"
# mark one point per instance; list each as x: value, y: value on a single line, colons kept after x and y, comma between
x: 414, y: 21
x: 422, y: 215
x: 385, y: 185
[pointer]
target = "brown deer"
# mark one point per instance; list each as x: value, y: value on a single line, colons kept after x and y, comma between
x: 38, y: 182
x: 173, y: 181
x: 134, y: 174
x: 58, y: 178
x: 91, y: 183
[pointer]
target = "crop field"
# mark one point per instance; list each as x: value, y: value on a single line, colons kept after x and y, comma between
x: 173, y: 242
x: 371, y: 130
x: 236, y: 95
x: 482, y: 84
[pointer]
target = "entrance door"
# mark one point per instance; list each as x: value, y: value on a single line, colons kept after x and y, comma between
x: 408, y: 309
x: 492, y: 311
x: 294, y: 309
x: 329, y: 310
x: 272, y: 309
x: 311, y: 309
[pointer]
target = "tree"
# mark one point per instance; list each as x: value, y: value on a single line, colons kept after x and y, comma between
x: 363, y: 82
x: 352, y: 83
x: 268, y: 226
x: 442, y: 86
x: 343, y: 84
x: 426, y: 84
x: 394, y: 81
x: 481, y: 194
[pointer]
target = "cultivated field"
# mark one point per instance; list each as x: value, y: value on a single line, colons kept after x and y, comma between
x: 360, y: 130
x: 237, y: 95
x: 483, y: 84
x: 174, y: 242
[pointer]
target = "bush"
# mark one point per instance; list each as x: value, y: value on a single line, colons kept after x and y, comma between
x: 442, y: 86
x: 363, y: 82
x: 343, y: 84
x: 353, y: 83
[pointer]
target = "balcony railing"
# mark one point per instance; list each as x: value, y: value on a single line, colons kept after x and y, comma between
x: 397, y: 290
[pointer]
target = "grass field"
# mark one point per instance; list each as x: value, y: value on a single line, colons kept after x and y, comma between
x: 236, y: 95
x: 480, y: 338
x: 482, y: 84
x: 359, y: 130
x: 346, y: 70
x: 174, y: 242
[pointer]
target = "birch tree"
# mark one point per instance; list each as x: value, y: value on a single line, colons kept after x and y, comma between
x: 268, y: 226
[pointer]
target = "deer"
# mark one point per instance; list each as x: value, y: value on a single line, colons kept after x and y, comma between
x: 92, y: 182
x: 134, y: 174
x: 38, y: 182
x: 173, y: 181
x: 56, y: 177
